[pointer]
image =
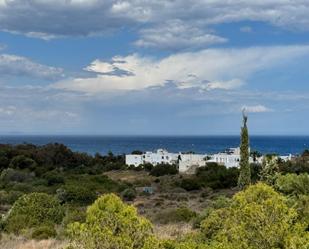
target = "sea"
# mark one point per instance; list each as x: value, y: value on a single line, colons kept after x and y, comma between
x: 281, y: 145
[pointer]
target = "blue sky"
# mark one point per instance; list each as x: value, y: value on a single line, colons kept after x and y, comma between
x: 154, y: 67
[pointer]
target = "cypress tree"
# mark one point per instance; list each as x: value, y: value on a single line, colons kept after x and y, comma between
x: 244, y: 179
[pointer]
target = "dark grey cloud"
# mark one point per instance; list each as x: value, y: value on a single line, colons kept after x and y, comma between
x: 53, y: 18
x: 57, y: 18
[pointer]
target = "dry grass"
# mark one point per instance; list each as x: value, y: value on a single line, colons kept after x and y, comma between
x: 167, y: 195
x: 14, y: 242
x: 172, y: 231
x: 131, y: 176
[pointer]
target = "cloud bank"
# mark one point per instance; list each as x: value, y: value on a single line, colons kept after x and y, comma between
x: 163, y: 24
x: 13, y: 65
x: 205, y: 70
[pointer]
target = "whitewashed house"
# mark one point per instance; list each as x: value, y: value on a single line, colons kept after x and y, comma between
x: 184, y: 161
x: 187, y: 163
x: 133, y: 159
x: 158, y: 157
x: 229, y: 158
x: 191, y: 162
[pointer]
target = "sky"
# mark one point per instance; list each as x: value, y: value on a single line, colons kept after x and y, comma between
x: 154, y: 67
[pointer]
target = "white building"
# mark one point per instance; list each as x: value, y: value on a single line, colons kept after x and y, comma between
x: 191, y: 161
x: 286, y: 158
x: 134, y: 160
x: 158, y: 157
x: 230, y: 158
x: 187, y: 163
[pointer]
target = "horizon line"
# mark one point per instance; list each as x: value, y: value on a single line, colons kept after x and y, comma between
x: 145, y: 135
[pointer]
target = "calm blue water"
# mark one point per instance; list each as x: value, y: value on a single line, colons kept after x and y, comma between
x: 282, y: 145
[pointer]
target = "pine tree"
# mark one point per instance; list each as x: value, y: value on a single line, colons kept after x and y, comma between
x: 244, y: 179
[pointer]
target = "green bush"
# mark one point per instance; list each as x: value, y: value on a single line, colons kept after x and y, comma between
x: 258, y: 217
x: 190, y: 184
x: 74, y: 214
x: 21, y: 186
x: 164, y: 169
x: 111, y: 224
x: 218, y: 203
x: 174, y: 216
x: 43, y: 232
x: 8, y: 198
x: 293, y: 184
x: 53, y: 178
x: 217, y: 176
x: 77, y: 194
x: 22, y: 162
x: 129, y: 194
x: 185, y: 214
x: 147, y: 166
x: 13, y: 175
x: 4, y: 160
x: 32, y: 210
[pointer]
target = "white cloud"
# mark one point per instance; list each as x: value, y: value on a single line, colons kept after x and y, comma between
x: 256, y: 109
x: 176, y: 35
x: 13, y: 65
x: 206, y: 70
x: 98, y: 66
x: 224, y: 85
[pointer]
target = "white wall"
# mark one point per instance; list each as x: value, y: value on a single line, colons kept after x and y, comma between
x: 135, y: 160
x: 161, y: 156
x: 189, y: 160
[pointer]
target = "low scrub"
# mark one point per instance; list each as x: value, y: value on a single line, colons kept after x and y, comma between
x: 33, y: 210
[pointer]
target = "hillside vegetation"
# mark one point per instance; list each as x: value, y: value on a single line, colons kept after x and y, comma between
x: 52, y: 196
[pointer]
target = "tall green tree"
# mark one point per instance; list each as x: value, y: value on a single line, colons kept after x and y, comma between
x: 244, y: 179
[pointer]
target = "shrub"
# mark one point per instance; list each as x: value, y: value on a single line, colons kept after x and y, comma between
x: 22, y: 162
x: 148, y: 167
x: 43, y: 232
x: 12, y: 175
x: 164, y: 169
x: 185, y: 214
x: 4, y: 160
x: 33, y: 210
x: 53, y: 178
x: 111, y: 224
x: 258, y: 217
x: 137, y: 152
x: 175, y: 216
x: 8, y: 198
x: 293, y: 184
x: 190, y: 184
x: 129, y: 194
x: 74, y: 214
x: 218, y: 203
x: 21, y: 186
x: 217, y: 176
x: 255, y: 170
x: 76, y: 194
x: 269, y: 170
